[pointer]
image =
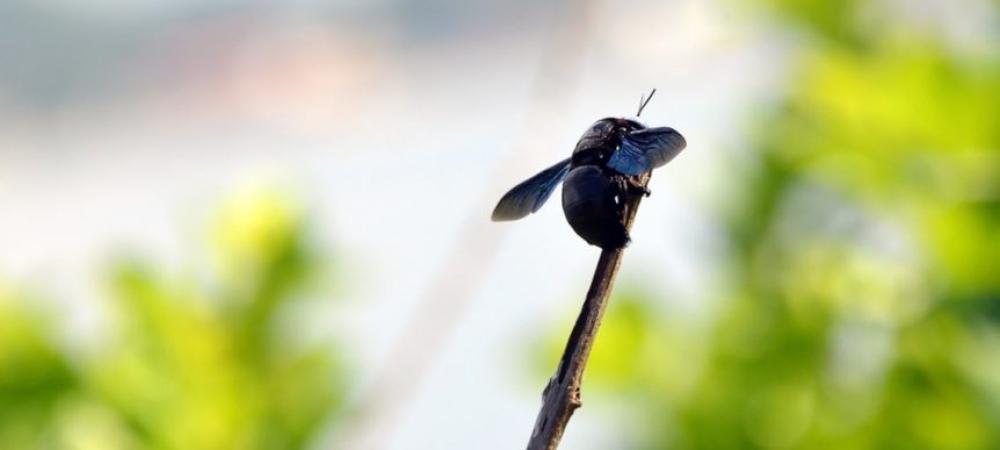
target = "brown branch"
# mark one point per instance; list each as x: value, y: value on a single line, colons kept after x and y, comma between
x: 562, y: 393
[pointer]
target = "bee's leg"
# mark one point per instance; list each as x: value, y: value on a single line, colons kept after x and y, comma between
x: 631, y: 186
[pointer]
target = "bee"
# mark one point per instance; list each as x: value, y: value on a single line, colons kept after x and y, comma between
x: 598, y: 178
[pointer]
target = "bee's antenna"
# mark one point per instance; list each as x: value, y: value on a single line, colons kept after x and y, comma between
x: 643, y: 101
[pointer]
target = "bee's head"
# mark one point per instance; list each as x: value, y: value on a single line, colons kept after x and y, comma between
x: 608, y: 132
x: 610, y: 127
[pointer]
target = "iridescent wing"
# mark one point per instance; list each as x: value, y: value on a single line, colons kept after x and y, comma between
x: 646, y: 149
x: 531, y: 194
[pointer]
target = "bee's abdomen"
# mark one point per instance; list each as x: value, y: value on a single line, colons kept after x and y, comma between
x: 591, y: 204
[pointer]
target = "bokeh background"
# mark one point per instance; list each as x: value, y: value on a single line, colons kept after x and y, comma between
x: 264, y: 225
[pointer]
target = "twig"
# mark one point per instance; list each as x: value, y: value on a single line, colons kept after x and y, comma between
x: 643, y: 101
x: 562, y: 393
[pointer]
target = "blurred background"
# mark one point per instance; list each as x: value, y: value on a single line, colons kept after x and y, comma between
x: 265, y: 225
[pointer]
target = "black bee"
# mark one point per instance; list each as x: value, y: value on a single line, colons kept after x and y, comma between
x: 600, y: 176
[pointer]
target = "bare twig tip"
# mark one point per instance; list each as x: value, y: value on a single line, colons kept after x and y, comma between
x: 643, y: 101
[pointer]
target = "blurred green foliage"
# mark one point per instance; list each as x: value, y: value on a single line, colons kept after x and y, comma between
x: 860, y: 307
x: 188, y: 364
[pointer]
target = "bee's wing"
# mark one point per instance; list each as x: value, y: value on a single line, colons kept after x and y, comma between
x: 646, y: 149
x: 531, y: 194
